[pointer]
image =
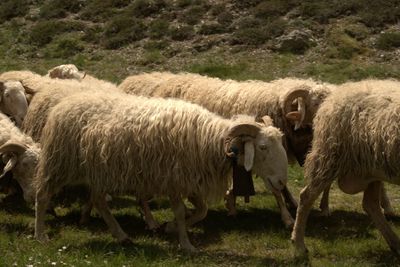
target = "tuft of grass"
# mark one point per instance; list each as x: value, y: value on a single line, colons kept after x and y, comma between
x: 158, y: 28
x: 181, y: 33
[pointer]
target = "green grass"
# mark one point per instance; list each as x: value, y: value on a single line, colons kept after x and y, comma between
x: 256, y: 237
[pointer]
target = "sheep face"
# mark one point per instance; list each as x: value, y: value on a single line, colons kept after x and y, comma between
x: 13, y: 100
x: 21, y: 161
x: 266, y: 157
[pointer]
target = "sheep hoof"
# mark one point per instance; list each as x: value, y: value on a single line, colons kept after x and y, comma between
x: 170, y: 227
x: 43, y: 238
x: 324, y: 213
x: 289, y: 224
x: 125, y: 241
x: 300, y: 250
x: 189, y: 248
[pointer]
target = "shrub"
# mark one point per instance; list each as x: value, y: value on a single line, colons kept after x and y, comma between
x: 43, y: 32
x: 212, y: 28
x: 93, y: 34
x: 12, y: 8
x: 156, y: 45
x: 59, y: 8
x: 67, y: 47
x: 192, y: 15
x: 250, y: 36
x: 181, y: 33
x: 272, y: 8
x: 225, y: 18
x: 98, y: 10
x: 144, y: 8
x: 388, y: 40
x: 158, y: 28
x: 342, y: 45
x: 122, y: 30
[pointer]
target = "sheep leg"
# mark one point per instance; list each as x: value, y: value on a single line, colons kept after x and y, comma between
x: 100, y: 203
x: 151, y: 223
x: 289, y: 199
x: 85, y: 213
x: 307, y: 197
x: 371, y: 205
x: 42, y: 202
x: 385, y: 204
x: 200, y: 211
x: 230, y: 203
x: 178, y: 207
x: 324, y: 204
x: 285, y: 214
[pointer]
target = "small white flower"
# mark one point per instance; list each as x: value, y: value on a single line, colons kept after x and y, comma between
x: 53, y: 263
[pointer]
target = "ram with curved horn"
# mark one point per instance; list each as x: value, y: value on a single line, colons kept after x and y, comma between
x: 290, y: 102
x: 19, y: 155
x: 168, y: 148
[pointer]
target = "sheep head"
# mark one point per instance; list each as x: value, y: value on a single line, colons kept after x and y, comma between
x: 13, y: 100
x: 67, y: 71
x: 21, y: 160
x: 258, y: 147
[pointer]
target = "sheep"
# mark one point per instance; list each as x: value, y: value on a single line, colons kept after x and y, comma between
x: 229, y: 97
x: 357, y: 141
x: 20, y: 155
x: 70, y: 71
x: 151, y: 147
x: 13, y: 101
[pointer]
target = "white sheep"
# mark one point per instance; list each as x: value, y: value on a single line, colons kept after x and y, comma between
x: 150, y: 147
x: 357, y: 141
x: 13, y: 101
x: 70, y: 71
x: 228, y: 98
x: 20, y: 155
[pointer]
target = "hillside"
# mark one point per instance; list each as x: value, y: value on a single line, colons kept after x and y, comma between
x: 328, y: 40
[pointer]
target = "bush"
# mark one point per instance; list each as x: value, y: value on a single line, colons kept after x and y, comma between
x: 122, y: 30
x: 272, y: 8
x: 192, y: 15
x: 13, y: 8
x: 250, y: 36
x: 44, y: 31
x: 212, y: 28
x: 225, y: 18
x: 98, y: 10
x: 388, y: 40
x: 342, y: 45
x: 181, y: 33
x: 156, y: 45
x: 158, y: 28
x: 93, y: 34
x: 145, y: 8
x: 67, y: 47
x: 59, y: 8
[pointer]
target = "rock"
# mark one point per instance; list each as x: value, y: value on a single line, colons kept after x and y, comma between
x: 296, y: 41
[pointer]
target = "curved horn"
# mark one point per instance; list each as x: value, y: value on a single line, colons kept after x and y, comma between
x: 267, y: 120
x: 301, y: 94
x: 15, y: 147
x: 84, y: 75
x: 247, y: 129
x: 28, y: 90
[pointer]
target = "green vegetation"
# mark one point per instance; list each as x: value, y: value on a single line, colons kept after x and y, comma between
x: 389, y: 40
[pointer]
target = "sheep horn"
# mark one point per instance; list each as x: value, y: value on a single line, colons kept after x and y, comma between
x: 28, y: 90
x: 84, y: 75
x: 234, y: 138
x: 300, y: 93
x: 15, y: 147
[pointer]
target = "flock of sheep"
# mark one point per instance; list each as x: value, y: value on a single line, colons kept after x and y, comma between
x: 181, y: 136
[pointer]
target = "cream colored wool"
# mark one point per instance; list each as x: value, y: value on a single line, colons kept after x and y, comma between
x: 125, y: 144
x: 228, y: 97
x: 357, y: 130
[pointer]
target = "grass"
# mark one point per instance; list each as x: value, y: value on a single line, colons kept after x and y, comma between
x: 256, y: 237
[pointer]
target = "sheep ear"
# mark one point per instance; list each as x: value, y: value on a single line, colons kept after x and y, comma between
x: 10, y: 165
x: 248, y: 155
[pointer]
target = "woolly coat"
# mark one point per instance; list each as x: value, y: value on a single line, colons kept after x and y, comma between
x: 356, y: 132
x: 126, y: 144
x: 228, y: 98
